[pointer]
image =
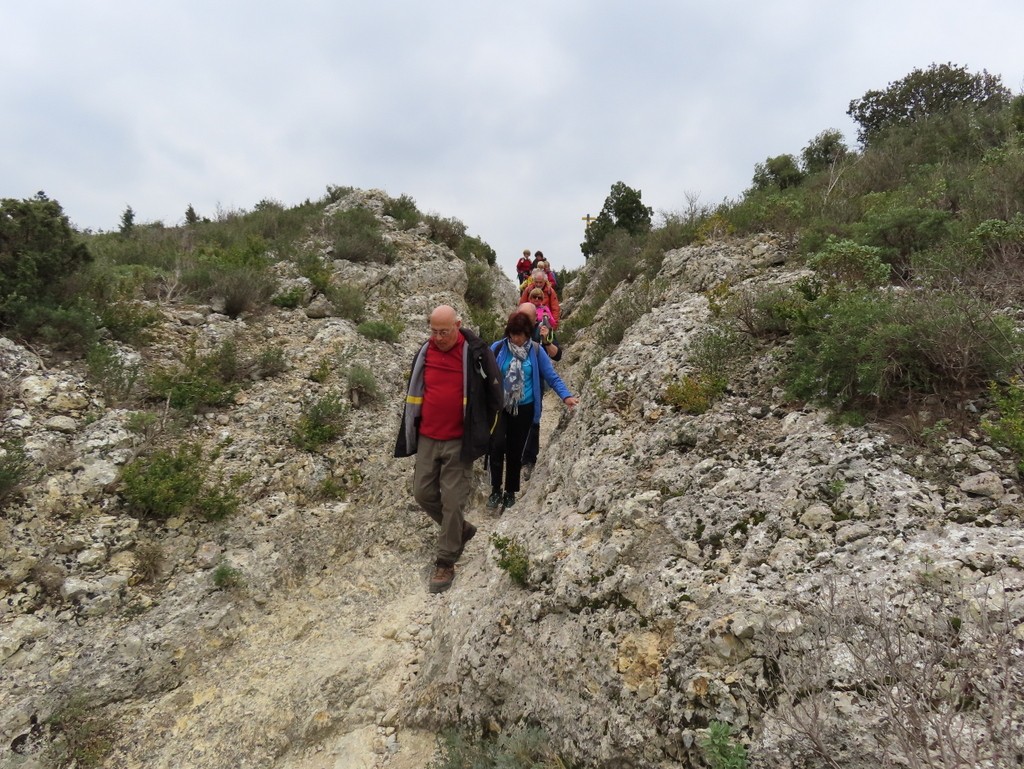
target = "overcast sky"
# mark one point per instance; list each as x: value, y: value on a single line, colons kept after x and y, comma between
x: 516, y: 118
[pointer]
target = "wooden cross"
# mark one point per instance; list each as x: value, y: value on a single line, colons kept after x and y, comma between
x: 588, y: 219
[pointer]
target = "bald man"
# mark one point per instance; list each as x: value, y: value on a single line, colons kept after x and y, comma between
x: 454, y: 394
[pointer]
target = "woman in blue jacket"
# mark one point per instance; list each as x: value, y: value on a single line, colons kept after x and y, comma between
x: 523, y: 364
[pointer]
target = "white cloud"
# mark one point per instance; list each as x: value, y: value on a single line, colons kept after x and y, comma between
x: 517, y: 119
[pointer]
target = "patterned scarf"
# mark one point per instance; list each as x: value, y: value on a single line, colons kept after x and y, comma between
x: 514, y: 383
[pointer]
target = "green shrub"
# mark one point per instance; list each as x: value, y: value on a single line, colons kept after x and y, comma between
x: 1007, y: 429
x: 379, y: 330
x: 115, y: 376
x: 200, y: 380
x: 403, y: 210
x: 512, y: 558
x: 693, y: 394
x: 322, y: 370
x: 887, y: 347
x: 271, y: 361
x: 243, y: 288
x: 15, y: 467
x: 128, y: 321
x: 721, y: 750
x: 38, y: 251
x: 84, y: 735
x: 171, y: 482
x: 716, y: 352
x: 164, y: 484
x: 312, y: 267
x: 479, y: 291
x: 844, y: 263
x: 348, y: 301
x: 289, y: 299
x: 769, y: 313
x: 521, y: 747
x: 447, y: 232
x: 226, y: 577
x: 71, y: 327
x: 487, y: 324
x: 472, y: 248
x: 357, y: 237
x: 363, y: 382
x: 322, y: 421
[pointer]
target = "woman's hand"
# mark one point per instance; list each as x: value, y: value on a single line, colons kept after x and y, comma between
x: 570, y: 402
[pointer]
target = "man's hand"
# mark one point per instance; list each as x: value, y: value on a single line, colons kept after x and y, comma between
x: 570, y: 402
x: 544, y: 331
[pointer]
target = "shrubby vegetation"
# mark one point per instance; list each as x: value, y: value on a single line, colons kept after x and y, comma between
x: 171, y: 482
x: 915, y: 239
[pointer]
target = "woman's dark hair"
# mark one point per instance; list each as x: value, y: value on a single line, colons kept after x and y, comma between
x: 519, y: 323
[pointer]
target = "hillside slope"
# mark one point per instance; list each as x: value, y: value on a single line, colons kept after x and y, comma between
x: 682, y: 569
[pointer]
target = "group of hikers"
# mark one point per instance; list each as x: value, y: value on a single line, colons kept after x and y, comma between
x: 467, y: 399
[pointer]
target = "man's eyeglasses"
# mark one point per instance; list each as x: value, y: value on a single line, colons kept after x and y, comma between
x: 442, y: 333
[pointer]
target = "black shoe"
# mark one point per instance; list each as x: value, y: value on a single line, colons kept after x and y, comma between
x: 508, y: 500
x: 494, y: 500
x: 527, y: 471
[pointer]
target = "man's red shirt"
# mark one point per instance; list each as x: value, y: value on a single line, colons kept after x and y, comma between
x: 443, y: 385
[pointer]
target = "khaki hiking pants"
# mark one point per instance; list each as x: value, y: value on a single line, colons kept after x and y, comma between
x: 441, y: 484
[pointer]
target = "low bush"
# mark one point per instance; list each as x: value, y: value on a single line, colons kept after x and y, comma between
x: 720, y: 748
x: 15, y: 468
x: 512, y: 558
x: 446, y: 231
x: 170, y: 482
x: 200, y: 380
x: 227, y: 577
x: 479, y: 290
x: 271, y: 361
x: 357, y: 237
x: 472, y: 248
x: 888, y: 347
x: 289, y: 299
x: 363, y: 383
x: 83, y: 735
x: 521, y: 747
x: 693, y: 394
x: 348, y: 301
x: 321, y: 422
x: 403, y: 210
x: 379, y: 330
x: 112, y: 373
x: 1007, y: 427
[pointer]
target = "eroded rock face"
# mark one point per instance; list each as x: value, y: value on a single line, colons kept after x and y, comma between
x: 672, y: 556
x: 674, y: 560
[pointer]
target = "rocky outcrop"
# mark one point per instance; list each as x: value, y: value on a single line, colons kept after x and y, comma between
x: 678, y: 564
x: 672, y: 556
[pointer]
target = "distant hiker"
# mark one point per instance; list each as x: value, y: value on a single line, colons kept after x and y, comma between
x: 542, y: 333
x: 454, y: 394
x: 523, y: 364
x: 552, y: 279
x: 524, y: 266
x: 543, y: 311
x: 539, y: 279
x: 538, y: 256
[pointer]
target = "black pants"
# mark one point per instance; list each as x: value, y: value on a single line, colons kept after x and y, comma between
x: 507, y: 446
x: 532, y: 447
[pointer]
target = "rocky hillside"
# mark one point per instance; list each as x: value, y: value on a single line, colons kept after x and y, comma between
x: 755, y: 565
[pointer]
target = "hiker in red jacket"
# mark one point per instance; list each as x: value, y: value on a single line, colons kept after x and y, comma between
x: 524, y: 265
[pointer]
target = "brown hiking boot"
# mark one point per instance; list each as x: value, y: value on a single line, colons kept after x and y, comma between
x: 442, y: 579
